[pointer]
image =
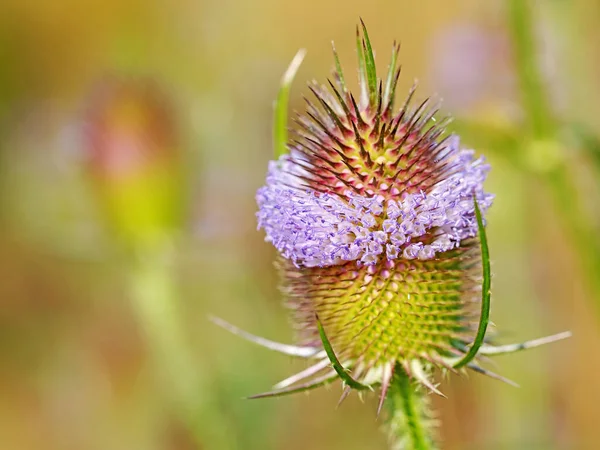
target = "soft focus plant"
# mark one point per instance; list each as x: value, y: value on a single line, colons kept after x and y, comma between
x: 134, y: 159
x: 135, y: 163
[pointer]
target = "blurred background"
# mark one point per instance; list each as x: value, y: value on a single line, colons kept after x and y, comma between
x: 133, y: 136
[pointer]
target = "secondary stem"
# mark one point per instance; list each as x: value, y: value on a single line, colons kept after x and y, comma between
x: 156, y: 305
x: 533, y: 95
x: 543, y: 128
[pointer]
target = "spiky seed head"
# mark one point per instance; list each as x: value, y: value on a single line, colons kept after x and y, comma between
x: 372, y: 211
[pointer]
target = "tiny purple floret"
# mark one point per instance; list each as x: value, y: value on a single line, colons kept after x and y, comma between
x: 314, y: 229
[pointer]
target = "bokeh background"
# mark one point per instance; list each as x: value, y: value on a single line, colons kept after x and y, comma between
x: 133, y: 135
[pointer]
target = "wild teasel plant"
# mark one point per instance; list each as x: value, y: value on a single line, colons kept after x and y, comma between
x: 378, y: 216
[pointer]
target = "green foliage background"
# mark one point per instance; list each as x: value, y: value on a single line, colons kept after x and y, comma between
x: 105, y: 341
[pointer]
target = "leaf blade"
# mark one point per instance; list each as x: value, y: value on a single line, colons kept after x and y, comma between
x: 486, y: 284
x: 335, y: 362
x: 280, y: 116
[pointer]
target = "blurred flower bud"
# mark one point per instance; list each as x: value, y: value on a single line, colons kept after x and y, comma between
x: 134, y: 158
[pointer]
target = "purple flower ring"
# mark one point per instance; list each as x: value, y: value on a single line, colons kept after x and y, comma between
x: 313, y: 228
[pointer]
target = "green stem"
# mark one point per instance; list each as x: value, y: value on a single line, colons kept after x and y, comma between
x: 155, y: 303
x: 533, y: 95
x: 543, y: 135
x: 153, y: 297
x: 409, y: 425
x: 582, y: 232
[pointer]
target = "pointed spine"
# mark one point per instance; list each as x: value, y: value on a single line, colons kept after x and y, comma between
x: 362, y: 72
x: 369, y: 65
x: 391, y: 79
x: 286, y: 349
x: 339, y: 73
x: 512, y: 348
x: 314, y: 384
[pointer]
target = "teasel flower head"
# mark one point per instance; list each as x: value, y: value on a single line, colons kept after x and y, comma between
x: 378, y: 217
x: 372, y: 212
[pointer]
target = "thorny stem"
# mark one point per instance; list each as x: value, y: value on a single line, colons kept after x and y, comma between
x: 409, y: 426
